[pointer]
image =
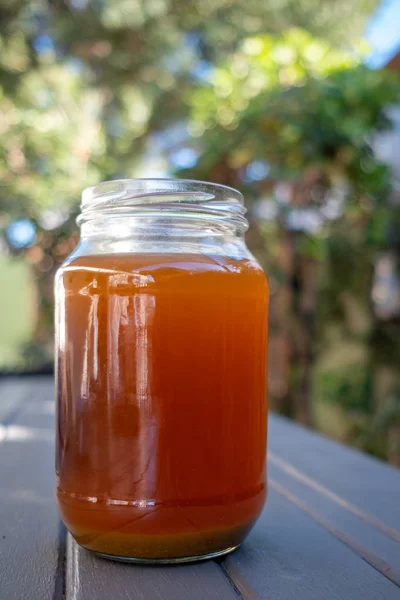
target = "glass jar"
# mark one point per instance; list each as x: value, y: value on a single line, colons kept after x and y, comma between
x: 161, y: 340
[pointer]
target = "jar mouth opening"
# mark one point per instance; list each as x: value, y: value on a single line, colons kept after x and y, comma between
x: 176, y: 200
x: 133, y: 192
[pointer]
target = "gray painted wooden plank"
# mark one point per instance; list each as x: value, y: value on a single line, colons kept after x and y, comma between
x: 360, y: 481
x: 93, y: 578
x: 288, y: 555
x: 13, y: 392
x: 371, y: 542
x: 29, y: 524
x: 39, y: 406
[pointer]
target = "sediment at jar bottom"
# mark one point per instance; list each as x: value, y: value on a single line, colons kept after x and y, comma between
x: 163, y: 533
x: 154, y: 547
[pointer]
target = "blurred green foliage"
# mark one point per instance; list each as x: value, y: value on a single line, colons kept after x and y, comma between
x: 308, y: 113
x: 88, y: 88
x: 16, y: 321
x: 83, y: 83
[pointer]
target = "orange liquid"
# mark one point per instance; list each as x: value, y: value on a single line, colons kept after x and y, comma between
x: 161, y: 402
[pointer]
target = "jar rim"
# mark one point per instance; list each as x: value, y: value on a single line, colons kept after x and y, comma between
x: 145, y: 191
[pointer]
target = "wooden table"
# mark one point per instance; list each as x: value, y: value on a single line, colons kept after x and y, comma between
x: 330, y: 530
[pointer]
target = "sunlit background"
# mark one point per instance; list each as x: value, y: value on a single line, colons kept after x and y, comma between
x: 294, y: 102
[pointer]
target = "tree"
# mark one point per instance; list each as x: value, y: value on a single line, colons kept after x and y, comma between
x: 83, y: 84
x: 285, y: 116
x: 300, y: 118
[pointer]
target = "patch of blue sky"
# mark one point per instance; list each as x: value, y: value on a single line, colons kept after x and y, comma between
x: 43, y: 43
x: 383, y: 34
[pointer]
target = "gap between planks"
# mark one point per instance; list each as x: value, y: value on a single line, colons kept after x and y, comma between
x: 369, y: 557
x: 318, y: 487
x: 59, y: 585
x: 236, y: 580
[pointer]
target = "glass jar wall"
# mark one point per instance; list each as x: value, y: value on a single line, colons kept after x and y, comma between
x: 161, y: 334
